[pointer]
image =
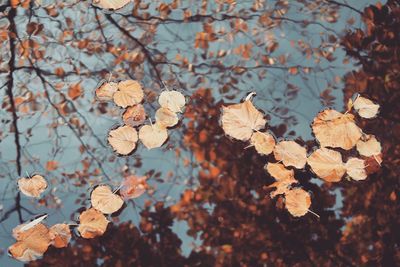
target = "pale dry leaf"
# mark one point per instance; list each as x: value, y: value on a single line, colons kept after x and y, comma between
x: 297, y: 202
x: 365, y: 107
x: 327, y: 164
x: 355, y: 168
x: 31, y: 243
x: 111, y: 4
x: 106, y: 91
x: 104, y: 200
x: 27, y: 225
x: 172, y: 100
x: 60, y: 235
x: 240, y: 120
x: 129, y: 93
x: 32, y: 186
x: 153, y: 136
x: 166, y: 118
x: 334, y: 129
x: 291, y: 154
x: 264, y: 143
x: 123, y: 139
x: 284, y: 178
x: 134, y: 116
x: 133, y: 186
x: 92, y: 223
x: 369, y: 146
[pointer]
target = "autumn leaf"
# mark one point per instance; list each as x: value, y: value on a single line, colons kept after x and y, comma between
x: 153, y: 136
x: 92, y: 223
x: 60, y: 235
x: 368, y: 146
x: 75, y: 91
x: 172, y: 100
x: 284, y: 178
x: 106, y: 91
x: 365, y: 107
x: 31, y: 243
x: 129, y: 93
x: 133, y: 186
x: 297, y: 202
x: 264, y: 143
x: 241, y: 120
x: 52, y: 165
x: 134, y: 116
x: 166, y: 118
x: 32, y: 186
x: 355, y: 168
x: 111, y: 4
x: 291, y: 154
x: 327, y: 164
x: 104, y: 200
x: 123, y: 139
x: 334, y: 129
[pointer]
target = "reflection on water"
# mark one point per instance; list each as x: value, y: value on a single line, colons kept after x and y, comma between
x: 207, y: 204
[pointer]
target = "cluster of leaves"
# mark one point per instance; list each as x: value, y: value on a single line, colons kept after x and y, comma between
x: 129, y: 94
x: 34, y: 238
x: 332, y: 129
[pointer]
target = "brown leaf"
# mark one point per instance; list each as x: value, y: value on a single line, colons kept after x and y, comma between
x: 368, y: 146
x: 172, y: 100
x: 153, y: 136
x: 123, y: 139
x: 264, y: 143
x: 75, y: 91
x: 291, y: 154
x: 327, y: 164
x: 334, y: 129
x: 365, y: 107
x: 31, y: 243
x: 297, y: 202
x: 240, y: 120
x: 166, y: 118
x: 104, y: 200
x: 92, y: 223
x: 129, y: 93
x: 133, y: 186
x: 60, y: 235
x: 355, y: 168
x: 106, y: 91
x: 134, y: 116
x: 33, y: 186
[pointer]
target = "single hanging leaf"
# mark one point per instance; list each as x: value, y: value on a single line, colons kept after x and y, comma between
x: 31, y: 244
x: 153, y: 136
x: 240, y: 120
x: 104, y: 200
x: 356, y: 169
x: 133, y: 186
x: 369, y: 146
x: 327, y: 164
x: 297, y: 202
x: 291, y: 154
x: 129, y: 93
x: 123, y: 139
x: 92, y: 223
x: 334, y: 129
x: 284, y: 178
x: 172, y: 100
x: 166, y: 118
x: 106, y: 91
x: 264, y: 143
x: 365, y: 107
x: 111, y: 4
x: 60, y: 235
x: 134, y: 116
x: 32, y: 187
